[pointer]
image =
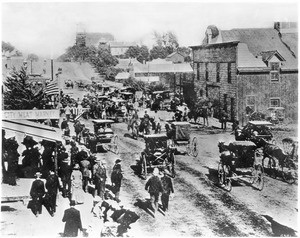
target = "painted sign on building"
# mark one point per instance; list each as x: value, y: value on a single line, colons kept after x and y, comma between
x: 30, y: 114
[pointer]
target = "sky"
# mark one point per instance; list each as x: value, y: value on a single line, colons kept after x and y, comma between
x: 48, y: 28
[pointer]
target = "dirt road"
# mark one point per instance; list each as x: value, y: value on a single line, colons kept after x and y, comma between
x: 200, y: 207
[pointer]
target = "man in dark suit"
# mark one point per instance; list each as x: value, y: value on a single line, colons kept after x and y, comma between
x: 154, y: 187
x: 167, y: 189
x: 37, y: 192
x: 52, y: 185
x: 73, y: 221
x: 99, y: 176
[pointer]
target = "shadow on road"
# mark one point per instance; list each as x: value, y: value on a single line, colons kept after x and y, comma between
x: 144, y: 205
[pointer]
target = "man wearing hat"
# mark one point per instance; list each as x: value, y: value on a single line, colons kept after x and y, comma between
x: 73, y: 221
x: 116, y: 179
x: 52, y: 185
x: 65, y: 171
x: 154, y: 187
x: 37, y: 192
x: 167, y: 189
x: 99, y: 177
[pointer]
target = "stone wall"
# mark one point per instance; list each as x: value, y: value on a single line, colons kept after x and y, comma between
x: 263, y: 89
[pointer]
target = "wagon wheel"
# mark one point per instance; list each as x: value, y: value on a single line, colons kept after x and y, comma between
x: 194, y: 147
x: 227, y: 179
x: 258, y: 176
x: 223, y: 176
x: 114, y: 144
x: 144, y: 166
x: 220, y: 174
x: 288, y: 174
x: 188, y: 149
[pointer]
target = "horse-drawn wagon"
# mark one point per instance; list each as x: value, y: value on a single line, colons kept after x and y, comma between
x: 239, y: 160
x: 180, y: 135
x: 281, y: 162
x: 103, y: 137
x: 157, y: 154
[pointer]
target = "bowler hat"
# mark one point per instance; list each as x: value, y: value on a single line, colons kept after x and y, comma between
x: 29, y: 141
x: 118, y: 161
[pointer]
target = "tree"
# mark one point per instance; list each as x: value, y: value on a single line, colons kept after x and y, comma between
x: 166, y: 43
x: 6, y: 46
x: 18, y: 93
x: 159, y: 52
x: 141, y: 53
x: 103, y: 61
x: 137, y: 85
x: 32, y: 57
x: 185, y: 51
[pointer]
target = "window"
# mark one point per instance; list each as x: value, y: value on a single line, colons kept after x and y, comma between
x: 229, y: 73
x: 274, y: 66
x: 250, y: 104
x: 275, y: 102
x: 206, y: 71
x: 274, y: 73
x: 218, y: 72
x: 198, y: 71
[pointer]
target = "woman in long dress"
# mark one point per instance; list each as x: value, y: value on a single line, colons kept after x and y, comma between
x: 76, y: 187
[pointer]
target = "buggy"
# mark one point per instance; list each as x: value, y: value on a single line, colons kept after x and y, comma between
x: 259, y: 129
x: 157, y: 154
x: 237, y: 159
x: 179, y: 134
x: 282, y: 162
x: 103, y: 137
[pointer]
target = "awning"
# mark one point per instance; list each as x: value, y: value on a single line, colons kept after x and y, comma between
x: 34, y: 129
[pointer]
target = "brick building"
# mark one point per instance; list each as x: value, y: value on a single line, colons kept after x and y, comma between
x: 247, y: 70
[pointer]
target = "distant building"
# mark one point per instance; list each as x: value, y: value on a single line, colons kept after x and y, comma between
x: 119, y: 48
x: 93, y: 39
x: 247, y: 70
x: 175, y: 57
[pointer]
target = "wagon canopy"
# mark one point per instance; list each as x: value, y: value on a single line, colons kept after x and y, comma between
x: 261, y: 123
x: 102, y: 121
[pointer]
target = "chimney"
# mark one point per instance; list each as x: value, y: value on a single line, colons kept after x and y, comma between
x: 209, y: 36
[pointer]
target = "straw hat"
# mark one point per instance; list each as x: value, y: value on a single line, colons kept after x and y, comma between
x: 155, y: 171
x: 38, y: 174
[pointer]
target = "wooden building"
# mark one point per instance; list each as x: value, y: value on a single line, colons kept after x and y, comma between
x: 248, y: 70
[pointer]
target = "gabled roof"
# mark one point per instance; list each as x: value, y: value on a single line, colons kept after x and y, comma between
x: 267, y: 55
x: 245, y: 59
x: 264, y: 39
x: 174, y: 53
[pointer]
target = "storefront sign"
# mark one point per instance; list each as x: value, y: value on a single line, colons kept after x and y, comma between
x: 30, y: 114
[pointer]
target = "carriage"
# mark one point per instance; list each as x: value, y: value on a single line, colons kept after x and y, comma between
x: 180, y: 135
x: 103, y: 137
x: 258, y: 129
x: 282, y: 162
x: 240, y: 159
x: 157, y: 154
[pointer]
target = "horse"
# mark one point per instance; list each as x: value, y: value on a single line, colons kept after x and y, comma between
x: 274, y: 152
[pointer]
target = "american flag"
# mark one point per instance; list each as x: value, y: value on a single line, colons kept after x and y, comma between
x: 52, y: 88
